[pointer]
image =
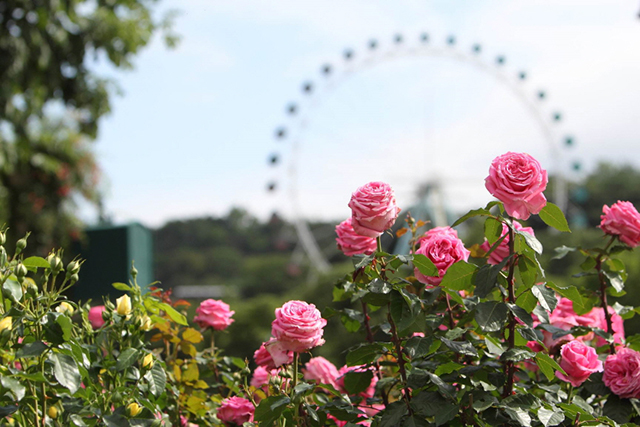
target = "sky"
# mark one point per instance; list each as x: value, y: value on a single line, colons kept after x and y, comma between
x: 192, y: 133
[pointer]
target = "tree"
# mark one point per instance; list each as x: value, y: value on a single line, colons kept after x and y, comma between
x: 51, y: 101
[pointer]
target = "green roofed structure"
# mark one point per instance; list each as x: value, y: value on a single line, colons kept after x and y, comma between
x: 108, y: 251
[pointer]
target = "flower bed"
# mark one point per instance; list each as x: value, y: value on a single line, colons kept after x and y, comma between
x: 452, y: 334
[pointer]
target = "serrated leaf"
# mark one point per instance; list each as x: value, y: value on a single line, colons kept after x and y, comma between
x: 33, y: 349
x: 425, y: 265
x: 126, y: 359
x: 552, y: 216
x: 471, y: 214
x: 14, y: 385
x: 494, y: 346
x: 548, y: 366
x: 491, y: 315
x: 528, y: 271
x: 270, y: 409
x: 393, y: 414
x: 462, y: 347
x: 527, y: 301
x: 36, y: 261
x: 448, y: 368
x: 65, y: 325
x: 615, y: 280
x: 364, y: 354
x: 519, y: 415
x: 157, y: 379
x: 518, y: 354
x: 460, y: 276
x: 176, y: 316
x: 357, y: 382
x: 581, y: 305
x: 545, y: 296
x: 492, y: 230
x: 14, y: 290
x: 66, y: 371
x: 550, y: 418
x: 531, y: 241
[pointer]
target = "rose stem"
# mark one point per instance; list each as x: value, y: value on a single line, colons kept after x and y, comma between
x: 603, y: 292
x: 509, y: 367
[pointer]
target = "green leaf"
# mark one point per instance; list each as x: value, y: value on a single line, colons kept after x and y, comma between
x: 521, y: 314
x: 494, y: 346
x: 14, y: 385
x: 13, y: 290
x: 552, y: 216
x: 527, y: 301
x: 491, y: 315
x: 548, y: 366
x: 471, y: 214
x: 561, y: 252
x: 462, y: 347
x: 364, y: 354
x: 531, y: 241
x: 615, y: 280
x: 460, y: 276
x: 549, y: 417
x: 619, y: 410
x: 448, y: 368
x: 157, y: 379
x: 492, y: 230
x: 418, y: 346
x: 270, y: 409
x: 546, y: 297
x: 121, y: 286
x: 519, y: 415
x: 487, y: 278
x: 33, y: 349
x: 66, y: 325
x: 393, y: 414
x: 126, y: 359
x: 177, y: 317
x: 36, y: 261
x: 425, y: 265
x: 518, y: 354
x: 581, y: 305
x: 528, y: 270
x: 357, y: 382
x: 66, y: 371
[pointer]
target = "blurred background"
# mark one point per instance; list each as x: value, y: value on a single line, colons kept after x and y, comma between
x: 217, y: 143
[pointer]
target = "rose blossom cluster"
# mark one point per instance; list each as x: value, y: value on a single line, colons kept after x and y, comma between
x: 352, y: 243
x: 622, y: 373
x: 622, y: 220
x: 518, y: 181
x: 213, y: 314
x: 443, y: 247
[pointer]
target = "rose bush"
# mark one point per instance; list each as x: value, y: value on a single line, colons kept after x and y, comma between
x: 444, y: 335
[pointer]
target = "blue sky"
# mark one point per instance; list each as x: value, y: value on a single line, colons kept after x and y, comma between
x: 194, y: 129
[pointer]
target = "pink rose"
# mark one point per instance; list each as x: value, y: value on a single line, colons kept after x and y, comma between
x: 263, y: 357
x: 622, y: 373
x: 235, y: 410
x: 502, y: 251
x: 184, y: 422
x: 369, y: 392
x: 321, y: 370
x: 298, y: 327
x: 622, y: 220
x: 213, y: 314
x: 579, y: 361
x: 95, y: 316
x: 373, y: 208
x: 443, y: 248
x: 352, y: 243
x: 518, y: 180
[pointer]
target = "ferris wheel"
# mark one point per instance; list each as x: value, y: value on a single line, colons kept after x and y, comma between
x: 292, y: 135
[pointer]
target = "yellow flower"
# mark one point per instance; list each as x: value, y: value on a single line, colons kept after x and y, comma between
x: 147, y: 323
x: 52, y: 412
x: 123, y: 305
x: 147, y: 362
x: 133, y: 409
x: 65, y: 308
x: 6, y: 323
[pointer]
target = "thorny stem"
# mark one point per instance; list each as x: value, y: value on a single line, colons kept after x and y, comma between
x: 509, y: 367
x: 400, y: 359
x: 451, y: 319
x: 603, y: 292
